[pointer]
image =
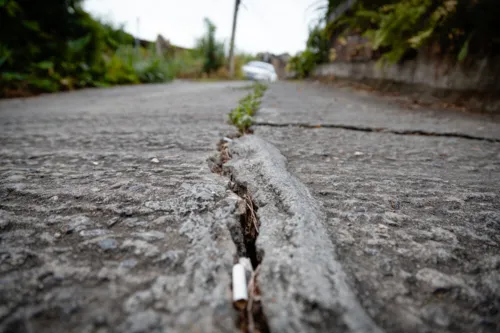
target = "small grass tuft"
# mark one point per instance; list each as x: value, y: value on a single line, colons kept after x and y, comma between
x: 242, y: 115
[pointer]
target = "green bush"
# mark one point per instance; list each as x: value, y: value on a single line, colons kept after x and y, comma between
x: 316, y: 52
x: 55, y: 45
x: 119, y: 71
x: 129, y: 65
x: 303, y: 63
x: 211, y: 50
x: 188, y: 64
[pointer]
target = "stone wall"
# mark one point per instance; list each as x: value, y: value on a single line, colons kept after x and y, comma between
x: 481, y: 75
x: 478, y: 79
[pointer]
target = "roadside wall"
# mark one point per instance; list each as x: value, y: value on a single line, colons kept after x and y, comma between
x: 477, y: 80
x: 480, y: 75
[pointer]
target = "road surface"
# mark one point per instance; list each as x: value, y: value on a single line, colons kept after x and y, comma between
x: 110, y: 218
x: 372, y: 217
x: 411, y: 198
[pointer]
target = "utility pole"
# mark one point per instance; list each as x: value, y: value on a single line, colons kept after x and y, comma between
x: 231, y: 46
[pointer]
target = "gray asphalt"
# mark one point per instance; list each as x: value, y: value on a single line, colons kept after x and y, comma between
x: 372, y: 217
x: 110, y: 219
x: 415, y: 218
x: 325, y: 105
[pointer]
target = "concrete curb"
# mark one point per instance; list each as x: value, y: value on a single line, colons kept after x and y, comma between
x: 304, y: 288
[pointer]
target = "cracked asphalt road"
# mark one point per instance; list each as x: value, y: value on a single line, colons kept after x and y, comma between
x: 415, y: 218
x: 325, y: 105
x: 111, y: 221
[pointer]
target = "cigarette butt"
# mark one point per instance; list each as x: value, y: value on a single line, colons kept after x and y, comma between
x: 240, y: 292
x: 246, y: 263
x: 248, y: 268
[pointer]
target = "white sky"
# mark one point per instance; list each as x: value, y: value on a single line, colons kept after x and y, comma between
x: 275, y: 26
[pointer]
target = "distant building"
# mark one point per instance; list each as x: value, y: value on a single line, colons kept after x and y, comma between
x: 278, y: 61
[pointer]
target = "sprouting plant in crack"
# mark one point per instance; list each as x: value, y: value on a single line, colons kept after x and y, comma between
x: 242, y: 115
x: 259, y: 89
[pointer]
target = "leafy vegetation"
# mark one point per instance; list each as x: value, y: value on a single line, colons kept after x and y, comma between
x: 128, y: 65
x: 397, y: 29
x: 56, y: 45
x: 210, y: 49
x: 316, y: 52
x: 207, y: 60
x: 242, y: 115
x: 47, y: 46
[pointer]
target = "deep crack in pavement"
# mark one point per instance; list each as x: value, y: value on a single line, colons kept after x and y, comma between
x: 111, y: 219
x: 415, y: 218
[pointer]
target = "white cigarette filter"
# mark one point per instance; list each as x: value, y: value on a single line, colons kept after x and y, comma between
x: 240, y: 292
x: 247, y: 264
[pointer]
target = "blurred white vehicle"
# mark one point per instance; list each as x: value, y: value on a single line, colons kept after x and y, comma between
x: 260, y: 71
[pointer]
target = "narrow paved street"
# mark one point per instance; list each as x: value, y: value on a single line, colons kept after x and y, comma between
x: 415, y: 218
x: 372, y: 217
x: 110, y: 218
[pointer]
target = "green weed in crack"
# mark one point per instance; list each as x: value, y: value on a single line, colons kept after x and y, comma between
x: 242, y: 115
